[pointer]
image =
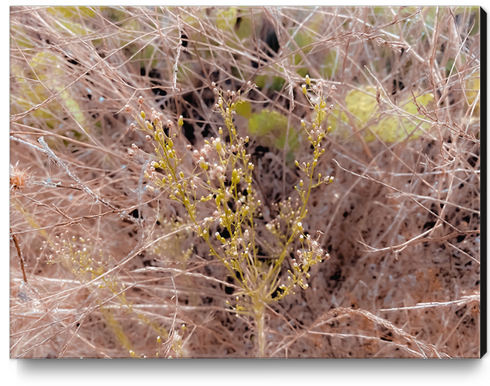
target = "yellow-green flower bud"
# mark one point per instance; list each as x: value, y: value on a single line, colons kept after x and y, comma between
x: 217, y: 145
x: 235, y: 178
x: 181, y: 120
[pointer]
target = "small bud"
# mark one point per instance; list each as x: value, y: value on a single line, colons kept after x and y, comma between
x: 143, y: 114
x: 307, y: 80
x: 181, y: 120
x: 303, y: 87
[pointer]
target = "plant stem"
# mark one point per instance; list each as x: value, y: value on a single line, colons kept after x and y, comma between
x: 259, y: 313
x: 21, y: 258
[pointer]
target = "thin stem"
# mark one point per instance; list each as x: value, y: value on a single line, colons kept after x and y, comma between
x: 21, y: 258
x: 259, y: 315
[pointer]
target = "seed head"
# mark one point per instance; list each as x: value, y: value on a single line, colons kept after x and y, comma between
x: 18, y: 178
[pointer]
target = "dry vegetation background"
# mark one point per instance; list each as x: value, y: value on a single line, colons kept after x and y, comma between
x: 108, y: 265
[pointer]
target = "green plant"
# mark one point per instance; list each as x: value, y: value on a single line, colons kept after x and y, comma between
x: 223, y: 170
x: 390, y: 126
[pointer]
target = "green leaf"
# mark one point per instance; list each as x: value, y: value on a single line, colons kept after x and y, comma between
x: 226, y: 19
x: 267, y: 121
x: 293, y: 140
x: 472, y: 89
x: 302, y: 72
x: 275, y: 83
x: 245, y: 29
x: 21, y: 37
x: 71, y: 12
x: 75, y: 28
x: 260, y: 81
x: 244, y: 109
x: 48, y: 67
x: 303, y: 40
x: 363, y: 106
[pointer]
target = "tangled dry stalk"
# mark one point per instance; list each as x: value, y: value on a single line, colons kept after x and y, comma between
x: 103, y: 266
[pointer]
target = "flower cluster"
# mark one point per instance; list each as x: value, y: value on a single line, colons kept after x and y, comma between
x: 223, y: 169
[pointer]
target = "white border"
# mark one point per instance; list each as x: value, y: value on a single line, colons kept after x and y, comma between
x: 212, y: 372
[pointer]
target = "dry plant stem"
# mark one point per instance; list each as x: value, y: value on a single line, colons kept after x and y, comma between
x: 19, y: 253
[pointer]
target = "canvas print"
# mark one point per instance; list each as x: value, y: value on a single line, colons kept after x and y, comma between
x: 246, y: 182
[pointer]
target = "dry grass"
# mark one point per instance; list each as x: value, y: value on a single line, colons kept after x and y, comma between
x: 401, y: 220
